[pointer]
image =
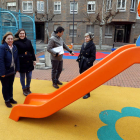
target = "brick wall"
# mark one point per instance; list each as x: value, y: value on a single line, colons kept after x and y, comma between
x: 65, y: 19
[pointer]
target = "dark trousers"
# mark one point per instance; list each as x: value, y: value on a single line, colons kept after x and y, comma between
x: 56, y: 70
x: 7, y: 87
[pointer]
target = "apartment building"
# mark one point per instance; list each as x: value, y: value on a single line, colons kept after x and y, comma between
x: 49, y: 14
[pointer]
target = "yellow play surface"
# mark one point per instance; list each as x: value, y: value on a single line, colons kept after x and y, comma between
x: 111, y: 113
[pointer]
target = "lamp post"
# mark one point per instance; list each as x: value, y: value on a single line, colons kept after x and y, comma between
x: 73, y: 22
x: 47, y: 23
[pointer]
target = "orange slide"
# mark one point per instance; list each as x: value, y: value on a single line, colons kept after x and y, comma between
x: 138, y: 9
x: 42, y: 105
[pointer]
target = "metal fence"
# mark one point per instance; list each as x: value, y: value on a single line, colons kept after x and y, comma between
x: 12, y: 21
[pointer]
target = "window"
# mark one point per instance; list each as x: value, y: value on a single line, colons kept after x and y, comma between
x: 90, y: 28
x: 121, y: 4
x: 91, y: 6
x: 73, y: 7
x: 132, y: 8
x: 109, y: 5
x: 55, y: 26
x: 71, y: 30
x: 57, y: 7
x: 108, y: 31
x: 11, y: 6
x: 27, y: 6
x: 40, y: 6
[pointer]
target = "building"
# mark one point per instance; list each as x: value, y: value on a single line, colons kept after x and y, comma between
x: 49, y: 14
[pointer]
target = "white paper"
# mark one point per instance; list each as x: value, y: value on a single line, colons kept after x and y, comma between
x: 59, y: 50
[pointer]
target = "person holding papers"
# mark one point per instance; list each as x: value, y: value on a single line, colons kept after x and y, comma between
x: 56, y: 47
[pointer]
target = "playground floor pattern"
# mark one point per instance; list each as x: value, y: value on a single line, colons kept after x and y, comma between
x: 111, y: 113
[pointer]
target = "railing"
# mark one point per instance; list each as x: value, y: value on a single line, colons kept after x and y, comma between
x: 12, y: 21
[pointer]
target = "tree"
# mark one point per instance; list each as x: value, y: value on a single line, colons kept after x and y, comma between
x: 103, y: 15
x: 47, y: 16
x: 2, y: 4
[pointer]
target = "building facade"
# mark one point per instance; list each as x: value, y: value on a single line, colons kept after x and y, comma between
x: 49, y: 14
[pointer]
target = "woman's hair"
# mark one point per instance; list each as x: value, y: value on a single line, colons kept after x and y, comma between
x: 5, y: 36
x: 91, y: 35
x: 17, y: 34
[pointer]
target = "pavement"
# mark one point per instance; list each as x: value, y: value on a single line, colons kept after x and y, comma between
x: 128, y: 78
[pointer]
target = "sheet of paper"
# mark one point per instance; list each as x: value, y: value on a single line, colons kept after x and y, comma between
x: 59, y: 50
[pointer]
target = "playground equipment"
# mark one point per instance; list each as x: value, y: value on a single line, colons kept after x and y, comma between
x: 138, y: 9
x: 12, y: 21
x: 42, y: 105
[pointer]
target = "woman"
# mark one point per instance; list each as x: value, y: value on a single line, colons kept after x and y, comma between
x: 9, y: 65
x: 26, y: 58
x: 87, y: 55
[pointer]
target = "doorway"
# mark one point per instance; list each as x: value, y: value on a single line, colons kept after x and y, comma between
x: 119, y: 35
x: 40, y: 31
x: 122, y: 33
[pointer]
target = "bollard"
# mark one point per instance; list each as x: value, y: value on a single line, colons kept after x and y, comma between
x: 47, y: 58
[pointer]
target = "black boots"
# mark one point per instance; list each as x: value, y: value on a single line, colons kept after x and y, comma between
x: 13, y: 101
x: 86, y: 96
x: 55, y: 82
x: 26, y: 91
x: 59, y: 83
x: 8, y: 104
x: 55, y: 85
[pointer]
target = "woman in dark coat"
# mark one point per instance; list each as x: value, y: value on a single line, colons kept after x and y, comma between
x: 87, y: 55
x: 9, y: 65
x: 26, y: 58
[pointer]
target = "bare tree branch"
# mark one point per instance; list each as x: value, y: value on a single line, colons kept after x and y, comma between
x: 108, y: 15
x: 103, y: 15
x: 46, y: 16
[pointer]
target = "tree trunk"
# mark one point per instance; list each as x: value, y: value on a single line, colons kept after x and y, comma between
x: 2, y: 4
x: 101, y: 37
x: 46, y: 33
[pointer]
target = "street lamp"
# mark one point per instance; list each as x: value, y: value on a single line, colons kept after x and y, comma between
x: 73, y: 22
x: 47, y: 23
